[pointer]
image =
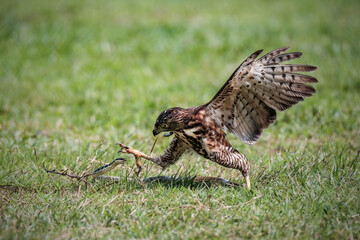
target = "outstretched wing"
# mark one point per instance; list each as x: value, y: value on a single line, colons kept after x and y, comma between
x: 248, y: 101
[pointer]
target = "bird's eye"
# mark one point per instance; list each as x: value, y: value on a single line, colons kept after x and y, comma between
x: 165, y: 125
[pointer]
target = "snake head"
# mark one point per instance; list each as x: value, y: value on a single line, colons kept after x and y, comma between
x: 119, y: 161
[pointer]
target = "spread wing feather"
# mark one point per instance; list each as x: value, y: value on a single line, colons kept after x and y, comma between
x: 248, y: 101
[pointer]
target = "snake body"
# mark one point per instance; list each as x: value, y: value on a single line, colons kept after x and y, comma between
x: 108, y: 167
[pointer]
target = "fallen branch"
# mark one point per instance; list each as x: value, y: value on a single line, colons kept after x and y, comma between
x: 80, y: 178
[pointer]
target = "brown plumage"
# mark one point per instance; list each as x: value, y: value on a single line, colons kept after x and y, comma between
x: 244, y: 106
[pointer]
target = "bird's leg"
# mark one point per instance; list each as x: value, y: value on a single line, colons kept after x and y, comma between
x: 170, y: 156
x: 129, y: 150
x: 231, y: 158
x: 244, y: 167
x: 137, y: 154
x: 138, y: 165
x: 247, y: 179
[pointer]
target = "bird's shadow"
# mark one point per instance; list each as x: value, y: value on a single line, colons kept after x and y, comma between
x: 188, y: 182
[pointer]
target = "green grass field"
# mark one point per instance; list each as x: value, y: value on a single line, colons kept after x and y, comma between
x: 78, y: 76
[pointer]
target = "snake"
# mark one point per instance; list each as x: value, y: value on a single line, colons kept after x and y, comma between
x: 107, y: 168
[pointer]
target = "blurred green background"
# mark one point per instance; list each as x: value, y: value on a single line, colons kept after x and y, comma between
x: 78, y: 76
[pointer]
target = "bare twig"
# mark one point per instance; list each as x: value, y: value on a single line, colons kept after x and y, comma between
x: 152, y: 148
x: 80, y: 178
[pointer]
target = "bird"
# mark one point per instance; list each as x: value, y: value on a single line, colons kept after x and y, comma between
x: 245, y: 105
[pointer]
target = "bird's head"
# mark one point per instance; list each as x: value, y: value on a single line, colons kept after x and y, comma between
x: 170, y: 120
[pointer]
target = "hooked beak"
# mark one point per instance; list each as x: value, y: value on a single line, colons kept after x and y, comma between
x: 155, y: 132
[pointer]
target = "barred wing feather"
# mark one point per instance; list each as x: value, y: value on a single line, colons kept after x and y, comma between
x: 248, y: 101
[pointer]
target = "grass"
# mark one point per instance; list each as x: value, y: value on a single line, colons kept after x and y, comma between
x: 78, y: 76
